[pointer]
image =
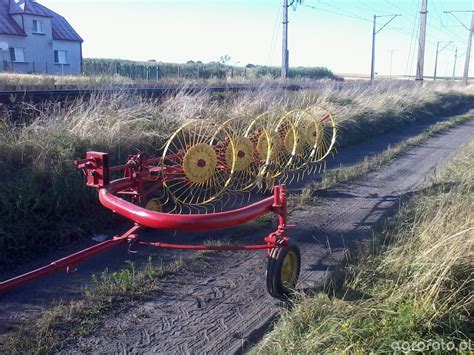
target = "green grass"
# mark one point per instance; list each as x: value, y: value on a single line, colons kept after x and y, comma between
x: 112, y: 293
x: 267, y: 219
x: 204, y: 254
x: 411, y: 285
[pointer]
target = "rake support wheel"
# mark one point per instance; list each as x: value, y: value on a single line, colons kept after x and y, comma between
x: 283, y: 270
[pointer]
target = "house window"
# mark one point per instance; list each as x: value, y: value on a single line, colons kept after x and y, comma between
x: 17, y: 55
x: 37, y: 26
x: 60, y: 57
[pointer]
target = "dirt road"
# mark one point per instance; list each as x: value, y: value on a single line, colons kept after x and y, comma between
x: 220, y: 305
x: 226, y: 307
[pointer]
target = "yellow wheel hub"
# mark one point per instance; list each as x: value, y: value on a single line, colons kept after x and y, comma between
x: 199, y: 163
x: 313, y: 134
x: 275, y: 145
x: 154, y: 205
x: 243, y: 154
x: 290, y: 141
x: 289, y: 269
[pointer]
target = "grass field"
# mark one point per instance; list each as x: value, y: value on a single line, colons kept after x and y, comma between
x: 43, y: 201
x: 15, y: 81
x: 106, y: 73
x: 154, y: 71
x: 409, y: 291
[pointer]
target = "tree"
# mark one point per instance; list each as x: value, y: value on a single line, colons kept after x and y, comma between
x: 225, y: 59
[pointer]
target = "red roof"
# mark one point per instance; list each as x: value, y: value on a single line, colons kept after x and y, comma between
x: 62, y: 30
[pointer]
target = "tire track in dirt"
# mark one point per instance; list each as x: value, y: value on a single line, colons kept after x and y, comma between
x: 224, y: 306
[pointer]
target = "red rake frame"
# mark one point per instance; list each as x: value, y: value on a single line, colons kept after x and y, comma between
x: 139, y: 171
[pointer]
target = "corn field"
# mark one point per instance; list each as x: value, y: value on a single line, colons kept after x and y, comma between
x: 152, y: 71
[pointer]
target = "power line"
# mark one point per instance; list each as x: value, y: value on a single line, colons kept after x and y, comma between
x: 374, y: 33
x: 432, y: 27
x: 337, y: 13
x: 344, y: 11
x: 365, y: 9
x: 469, y: 41
x: 412, y: 43
x: 350, y: 11
x: 276, y: 27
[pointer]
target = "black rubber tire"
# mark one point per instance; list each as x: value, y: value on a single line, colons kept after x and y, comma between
x: 276, y: 288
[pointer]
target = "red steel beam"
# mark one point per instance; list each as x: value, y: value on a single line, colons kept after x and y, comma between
x: 68, y: 262
x: 209, y: 247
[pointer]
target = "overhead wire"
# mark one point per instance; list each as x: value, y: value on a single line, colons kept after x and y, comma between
x: 449, y: 35
x: 353, y: 16
x: 276, y: 27
x: 412, y: 47
x: 414, y: 24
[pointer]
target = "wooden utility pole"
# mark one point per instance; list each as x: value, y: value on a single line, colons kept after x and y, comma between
x: 374, y: 33
x: 422, y: 40
x: 285, y: 54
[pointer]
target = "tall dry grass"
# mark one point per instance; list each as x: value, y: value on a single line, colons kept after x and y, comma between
x: 43, y: 201
x: 412, y: 287
x: 17, y: 81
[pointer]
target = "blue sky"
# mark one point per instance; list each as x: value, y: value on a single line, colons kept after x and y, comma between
x: 331, y: 33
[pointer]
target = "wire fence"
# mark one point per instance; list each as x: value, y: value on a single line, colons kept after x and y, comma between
x: 150, y: 71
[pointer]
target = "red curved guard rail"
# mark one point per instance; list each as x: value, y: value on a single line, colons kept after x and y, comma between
x: 196, y: 223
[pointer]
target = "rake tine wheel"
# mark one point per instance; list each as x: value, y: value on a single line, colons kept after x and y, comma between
x: 239, y: 151
x: 194, y: 168
x: 259, y: 133
x: 296, y: 151
x: 324, y: 125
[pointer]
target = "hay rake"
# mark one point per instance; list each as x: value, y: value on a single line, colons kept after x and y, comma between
x: 204, y: 164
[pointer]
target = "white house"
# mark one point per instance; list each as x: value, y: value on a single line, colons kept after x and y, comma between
x: 34, y: 39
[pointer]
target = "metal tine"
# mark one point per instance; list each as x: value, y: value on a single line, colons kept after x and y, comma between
x: 221, y: 202
x: 177, y: 207
x: 228, y: 199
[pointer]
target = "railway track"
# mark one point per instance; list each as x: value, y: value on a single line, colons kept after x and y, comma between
x: 37, y: 96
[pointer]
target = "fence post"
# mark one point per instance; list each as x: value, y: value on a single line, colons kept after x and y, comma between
x: 179, y: 71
